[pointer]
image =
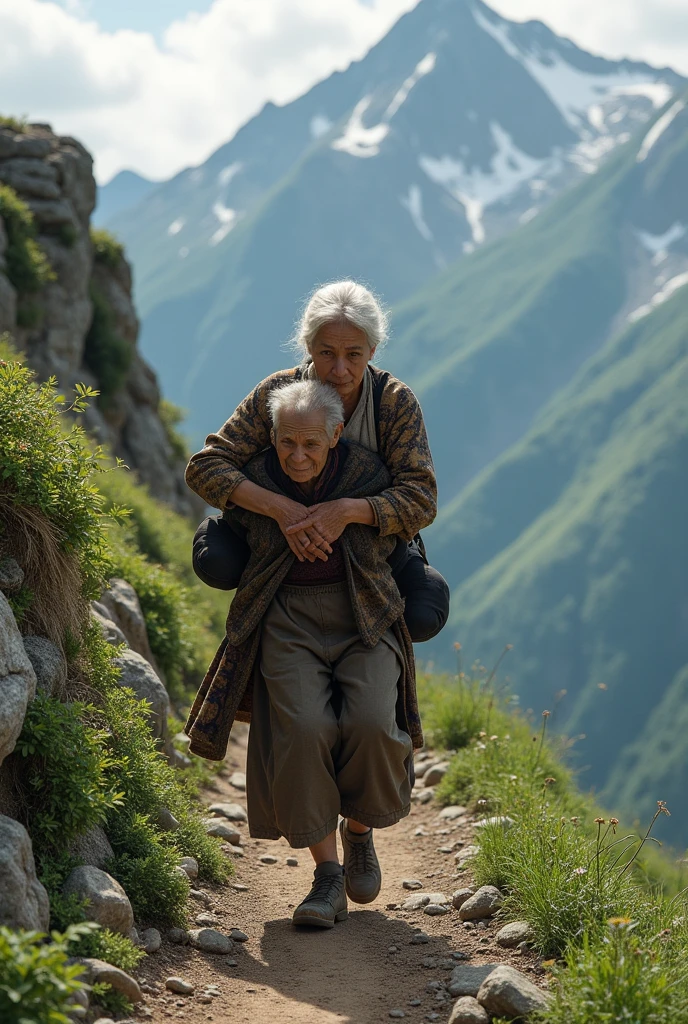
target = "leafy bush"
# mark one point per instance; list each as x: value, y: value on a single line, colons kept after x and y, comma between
x: 146, y: 869
x: 36, y: 982
x: 17, y: 124
x: 172, y: 415
x: 26, y: 264
x: 106, y: 353
x: 106, y: 249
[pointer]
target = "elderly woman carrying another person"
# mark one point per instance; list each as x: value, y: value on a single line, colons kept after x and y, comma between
x: 317, y: 655
x: 341, y: 328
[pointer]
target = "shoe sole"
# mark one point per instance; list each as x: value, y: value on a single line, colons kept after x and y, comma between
x: 362, y: 900
x: 319, y: 922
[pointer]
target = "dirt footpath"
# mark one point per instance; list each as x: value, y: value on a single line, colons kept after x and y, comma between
x: 358, y: 971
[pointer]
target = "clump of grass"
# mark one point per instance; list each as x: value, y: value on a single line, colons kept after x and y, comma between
x: 106, y: 249
x: 15, y: 124
x: 172, y: 416
x: 106, y: 353
x: 26, y: 265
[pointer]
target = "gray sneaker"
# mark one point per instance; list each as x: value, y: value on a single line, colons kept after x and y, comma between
x: 326, y: 902
x: 361, y: 866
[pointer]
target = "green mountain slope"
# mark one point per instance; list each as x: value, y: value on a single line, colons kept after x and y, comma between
x: 575, y: 549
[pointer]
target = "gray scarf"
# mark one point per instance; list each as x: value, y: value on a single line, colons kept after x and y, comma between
x: 361, y: 426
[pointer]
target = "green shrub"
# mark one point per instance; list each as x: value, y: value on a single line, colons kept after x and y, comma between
x: 171, y: 416
x: 107, y: 354
x: 106, y: 249
x: 36, y: 982
x: 146, y: 869
x: 108, y: 999
x: 27, y: 266
x: 17, y: 124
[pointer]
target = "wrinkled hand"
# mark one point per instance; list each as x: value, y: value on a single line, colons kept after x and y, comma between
x: 306, y: 541
x: 328, y: 520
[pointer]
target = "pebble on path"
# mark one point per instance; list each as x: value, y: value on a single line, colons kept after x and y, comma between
x: 292, y: 862
x: 435, y: 909
x: 238, y: 886
x: 190, y: 866
x: 238, y: 935
x: 179, y: 986
x: 420, y: 938
x: 268, y: 858
x: 397, y: 1013
x: 238, y: 781
x: 411, y: 883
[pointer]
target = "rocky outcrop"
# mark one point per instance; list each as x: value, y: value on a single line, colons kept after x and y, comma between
x: 140, y: 676
x: 124, y: 609
x: 17, y: 680
x: 23, y: 900
x: 53, y: 175
x: 49, y: 664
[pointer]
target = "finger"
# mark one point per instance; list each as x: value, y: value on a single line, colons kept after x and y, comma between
x: 296, y: 548
x: 309, y: 550
x: 317, y: 540
x: 302, y: 525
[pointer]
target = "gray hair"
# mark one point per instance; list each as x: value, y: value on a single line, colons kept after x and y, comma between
x: 338, y: 302
x: 307, y: 396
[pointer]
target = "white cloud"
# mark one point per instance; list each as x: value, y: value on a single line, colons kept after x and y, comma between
x: 160, y: 107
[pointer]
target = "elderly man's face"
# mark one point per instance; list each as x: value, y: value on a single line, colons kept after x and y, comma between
x: 302, y: 444
x: 340, y: 355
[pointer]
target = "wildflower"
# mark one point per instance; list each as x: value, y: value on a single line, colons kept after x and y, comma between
x: 482, y: 802
x: 600, y: 821
x: 621, y: 922
x: 549, y: 780
x: 494, y: 737
x: 662, y: 808
x: 509, y: 647
x: 457, y: 646
x: 580, y: 871
x: 601, y: 686
x: 614, y: 822
x: 546, y: 714
x: 575, y: 820
x: 482, y: 734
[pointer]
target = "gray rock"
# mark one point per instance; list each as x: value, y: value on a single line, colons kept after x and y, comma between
x: 189, y: 866
x: 151, y: 940
x: 138, y: 674
x: 23, y: 900
x: 93, y: 848
x: 49, y: 664
x: 110, y: 630
x: 419, y: 939
x: 466, y: 854
x: 452, y: 813
x: 460, y: 896
x: 397, y: 1014
x: 104, y: 1020
x: 99, y: 972
x: 179, y: 760
x: 508, y: 993
x: 292, y: 862
x: 483, y: 903
x: 17, y: 680
x: 436, y: 909
x: 468, y: 1010
x: 179, y: 936
x: 179, y: 986
x: 208, y: 940
x: 268, y: 858
x: 123, y: 605
x: 435, y: 774
x: 238, y: 935
x: 206, y: 920
x: 11, y: 575
x: 234, y: 812
x: 416, y: 902
x: 424, y: 796
x: 107, y: 902
x: 466, y: 979
x: 238, y: 780
x: 513, y: 934
x: 166, y: 820
x: 222, y: 830
x: 30, y: 177
x: 502, y: 821
x: 411, y: 883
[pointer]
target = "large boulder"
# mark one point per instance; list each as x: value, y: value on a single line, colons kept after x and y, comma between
x: 92, y: 848
x: 49, y: 664
x: 17, y: 680
x: 140, y: 675
x: 23, y: 900
x: 110, y: 630
x: 106, y: 901
x: 123, y: 605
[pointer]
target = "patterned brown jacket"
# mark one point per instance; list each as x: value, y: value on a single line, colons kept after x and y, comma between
x: 226, y: 691
x: 408, y: 505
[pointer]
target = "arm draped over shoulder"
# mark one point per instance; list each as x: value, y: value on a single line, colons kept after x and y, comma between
x: 404, y: 508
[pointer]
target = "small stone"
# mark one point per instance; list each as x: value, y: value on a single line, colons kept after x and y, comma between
x: 468, y: 925
x: 268, y: 858
x: 238, y: 886
x: 391, y: 906
x: 238, y: 781
x: 419, y: 939
x: 425, y: 796
x: 190, y: 866
x: 452, y: 812
x: 222, y: 830
x: 205, y: 998
x: 466, y: 853
x: 445, y: 849
x: 238, y: 935
x: 166, y: 820
x: 416, y: 902
x: 415, y: 1002
x: 438, y: 897
x: 11, y: 576
x: 432, y: 1016
x: 179, y: 986
x: 234, y: 812
x: 435, y: 909
x: 434, y: 986
x: 460, y: 896
x: 466, y: 979
x: 397, y: 1014
x: 206, y: 920
x: 484, y: 903
x: 213, y: 990
x: 232, y: 851
x: 457, y: 955
x: 523, y: 948
x: 150, y: 940
x: 508, y: 993
x: 435, y: 774
x: 411, y: 883
x: 179, y: 936
x: 104, y: 1020
x: 208, y: 940
x: 467, y: 1010
x: 503, y: 821
x: 392, y: 949
x: 292, y: 862
x: 513, y: 934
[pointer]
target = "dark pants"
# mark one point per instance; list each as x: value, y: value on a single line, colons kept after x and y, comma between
x: 220, y: 555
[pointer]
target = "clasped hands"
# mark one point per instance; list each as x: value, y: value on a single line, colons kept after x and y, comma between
x: 311, y: 530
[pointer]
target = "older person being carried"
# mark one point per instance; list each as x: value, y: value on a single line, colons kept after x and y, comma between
x: 318, y: 657
x: 340, y: 330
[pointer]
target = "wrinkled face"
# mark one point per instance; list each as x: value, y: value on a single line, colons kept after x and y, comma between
x: 302, y: 444
x: 340, y: 354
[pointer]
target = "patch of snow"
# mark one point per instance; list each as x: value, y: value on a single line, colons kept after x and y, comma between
x: 596, y: 118
x: 661, y: 296
x: 572, y: 91
x: 320, y: 125
x: 227, y: 219
x: 414, y: 204
x: 658, y: 93
x: 528, y: 215
x: 422, y: 68
x: 658, y: 129
x: 477, y: 189
x: 176, y: 226
x: 228, y: 172
x: 660, y: 243
x: 587, y: 155
x: 358, y: 140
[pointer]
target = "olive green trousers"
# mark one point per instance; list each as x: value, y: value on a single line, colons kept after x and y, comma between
x: 324, y: 738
